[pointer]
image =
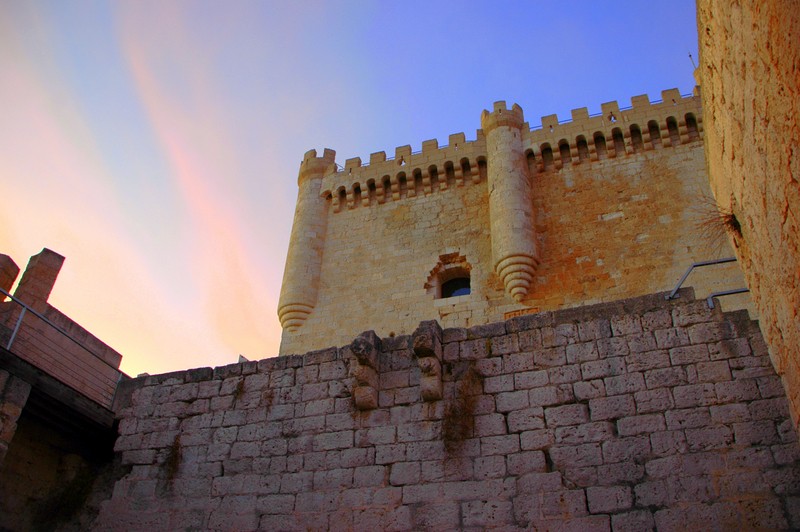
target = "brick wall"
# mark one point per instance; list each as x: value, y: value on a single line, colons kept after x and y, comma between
x: 619, y: 416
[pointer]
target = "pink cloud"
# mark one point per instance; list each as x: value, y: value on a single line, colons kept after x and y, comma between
x: 197, y: 143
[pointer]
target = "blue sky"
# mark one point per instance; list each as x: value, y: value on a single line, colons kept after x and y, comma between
x: 156, y: 144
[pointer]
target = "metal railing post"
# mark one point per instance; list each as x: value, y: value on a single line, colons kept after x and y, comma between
x: 710, y: 298
x: 16, y: 328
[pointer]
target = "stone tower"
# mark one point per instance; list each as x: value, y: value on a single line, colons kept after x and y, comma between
x: 304, y: 259
x: 514, y: 255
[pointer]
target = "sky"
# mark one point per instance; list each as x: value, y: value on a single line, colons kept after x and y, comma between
x: 156, y: 144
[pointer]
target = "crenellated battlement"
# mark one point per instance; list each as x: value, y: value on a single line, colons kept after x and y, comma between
x: 313, y: 165
x: 502, y: 116
x: 614, y: 132
x: 408, y: 174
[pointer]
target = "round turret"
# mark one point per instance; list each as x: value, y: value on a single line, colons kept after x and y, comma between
x: 511, y: 216
x: 304, y: 259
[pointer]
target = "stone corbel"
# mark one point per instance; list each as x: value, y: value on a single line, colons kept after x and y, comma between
x: 427, y: 342
x: 366, y: 348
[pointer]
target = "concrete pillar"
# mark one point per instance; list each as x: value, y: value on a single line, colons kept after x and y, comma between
x: 514, y: 253
x: 304, y: 259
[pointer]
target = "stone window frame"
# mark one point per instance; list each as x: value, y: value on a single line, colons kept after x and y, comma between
x: 450, y: 266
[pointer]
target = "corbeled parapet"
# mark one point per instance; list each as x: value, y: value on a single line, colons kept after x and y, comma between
x: 511, y: 217
x: 307, y: 242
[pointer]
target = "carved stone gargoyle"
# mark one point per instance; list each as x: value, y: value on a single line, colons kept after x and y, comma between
x: 366, y: 348
x: 427, y: 342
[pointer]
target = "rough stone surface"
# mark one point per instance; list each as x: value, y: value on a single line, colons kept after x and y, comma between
x: 749, y: 57
x: 510, y: 445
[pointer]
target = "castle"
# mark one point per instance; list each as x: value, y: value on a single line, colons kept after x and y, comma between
x: 512, y: 217
x: 528, y: 367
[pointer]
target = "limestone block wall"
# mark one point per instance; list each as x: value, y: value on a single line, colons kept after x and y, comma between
x: 617, y: 200
x: 625, y: 415
x: 749, y: 63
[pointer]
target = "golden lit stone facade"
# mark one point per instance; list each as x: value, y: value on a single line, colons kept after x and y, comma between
x: 575, y: 212
x: 750, y: 73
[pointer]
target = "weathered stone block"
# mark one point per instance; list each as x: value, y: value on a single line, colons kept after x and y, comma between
x: 559, y: 416
x: 588, y: 454
x: 737, y: 391
x: 612, y: 347
x: 550, y: 395
x: 689, y: 355
x: 536, y: 439
x: 508, y: 401
x: 619, y: 473
x: 609, y: 499
x: 606, y: 408
x: 585, y: 433
x: 694, y: 395
x: 626, y: 383
x: 589, y: 389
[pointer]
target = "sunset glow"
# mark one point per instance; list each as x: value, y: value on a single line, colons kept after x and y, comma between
x: 156, y: 144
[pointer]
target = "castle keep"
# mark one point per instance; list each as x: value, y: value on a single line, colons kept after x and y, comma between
x: 596, y: 208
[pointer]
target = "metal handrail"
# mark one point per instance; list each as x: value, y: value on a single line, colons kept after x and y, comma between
x: 17, y: 326
x: 709, y: 300
x: 26, y: 308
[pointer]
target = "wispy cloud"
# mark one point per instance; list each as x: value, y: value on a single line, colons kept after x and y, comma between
x: 200, y: 147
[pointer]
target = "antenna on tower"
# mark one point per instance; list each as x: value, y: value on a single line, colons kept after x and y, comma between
x: 692, y: 60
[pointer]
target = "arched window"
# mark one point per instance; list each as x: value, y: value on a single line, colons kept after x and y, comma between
x: 340, y: 200
x: 600, y: 145
x: 417, y: 186
x: 619, y: 142
x: 402, y: 184
x: 433, y: 172
x: 482, y: 168
x: 466, y: 169
x: 583, y: 148
x: 372, y: 191
x: 547, y: 156
x: 636, y: 139
x: 691, y: 127
x: 563, y: 148
x: 457, y: 286
x: 450, y: 277
x: 450, y: 173
x: 655, y: 133
x: 531, y: 158
x: 387, y: 186
x: 674, y: 135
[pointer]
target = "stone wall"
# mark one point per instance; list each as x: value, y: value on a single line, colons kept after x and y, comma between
x: 44, y: 480
x: 616, y: 215
x: 749, y: 64
x: 625, y: 415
